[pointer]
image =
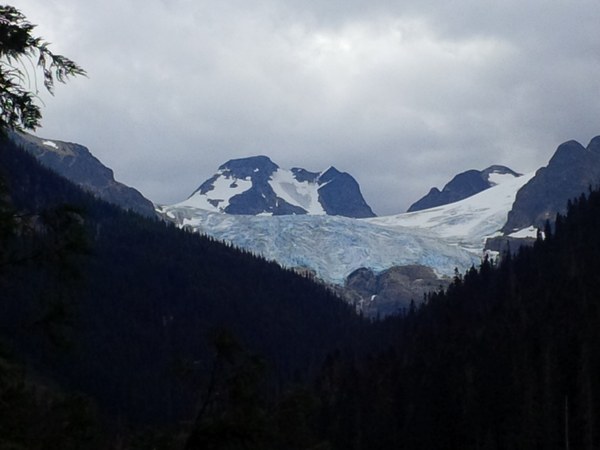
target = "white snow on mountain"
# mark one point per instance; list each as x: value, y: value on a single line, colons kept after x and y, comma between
x: 496, y: 178
x: 50, y: 144
x: 330, y: 246
x: 529, y: 232
x: 217, y: 199
x: 443, y: 238
x: 466, y: 223
x: 303, y: 194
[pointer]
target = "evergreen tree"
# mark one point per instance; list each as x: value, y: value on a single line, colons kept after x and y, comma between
x: 18, y: 86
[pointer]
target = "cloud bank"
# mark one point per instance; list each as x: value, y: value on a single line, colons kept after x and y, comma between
x: 403, y: 95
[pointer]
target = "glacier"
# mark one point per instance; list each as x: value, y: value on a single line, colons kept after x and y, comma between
x: 466, y: 223
x: 444, y: 238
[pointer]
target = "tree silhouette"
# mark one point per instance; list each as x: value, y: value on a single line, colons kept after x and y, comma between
x: 18, y: 85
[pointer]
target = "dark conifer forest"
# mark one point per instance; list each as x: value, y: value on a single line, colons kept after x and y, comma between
x: 117, y: 331
x: 508, y: 357
x: 123, y: 309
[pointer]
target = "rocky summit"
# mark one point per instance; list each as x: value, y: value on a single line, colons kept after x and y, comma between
x: 76, y: 163
x: 257, y: 186
x: 572, y: 170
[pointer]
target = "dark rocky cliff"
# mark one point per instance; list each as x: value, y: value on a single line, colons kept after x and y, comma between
x: 77, y: 164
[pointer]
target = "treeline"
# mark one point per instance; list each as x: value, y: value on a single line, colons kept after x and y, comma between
x: 508, y: 357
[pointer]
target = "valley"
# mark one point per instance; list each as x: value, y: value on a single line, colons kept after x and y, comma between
x: 227, y: 302
x: 154, y: 290
x: 319, y: 224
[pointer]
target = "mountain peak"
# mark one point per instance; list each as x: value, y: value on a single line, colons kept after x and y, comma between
x: 243, y: 167
x: 571, y: 170
x: 329, y: 174
x: 464, y: 185
x: 594, y: 145
x: 257, y: 186
x: 76, y: 163
x: 567, y: 153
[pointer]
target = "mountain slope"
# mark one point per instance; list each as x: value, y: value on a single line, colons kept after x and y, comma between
x: 331, y: 247
x: 463, y: 185
x: 76, y: 163
x: 572, y: 170
x: 508, y: 357
x: 146, y: 300
x: 256, y: 185
x: 465, y: 223
x: 443, y: 238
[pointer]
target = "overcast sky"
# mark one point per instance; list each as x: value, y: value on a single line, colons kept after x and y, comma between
x: 401, y: 94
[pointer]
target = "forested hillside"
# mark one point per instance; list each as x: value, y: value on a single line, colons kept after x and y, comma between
x: 121, y: 307
x: 126, y: 333
x: 508, y: 357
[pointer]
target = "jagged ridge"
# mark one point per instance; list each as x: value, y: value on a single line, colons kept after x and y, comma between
x: 77, y: 164
x: 257, y: 186
x: 572, y: 170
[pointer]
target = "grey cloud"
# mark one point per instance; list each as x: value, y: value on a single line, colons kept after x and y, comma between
x: 403, y: 95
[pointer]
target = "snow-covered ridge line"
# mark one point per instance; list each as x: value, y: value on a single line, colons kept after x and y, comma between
x: 257, y: 186
x: 443, y: 238
x: 468, y: 222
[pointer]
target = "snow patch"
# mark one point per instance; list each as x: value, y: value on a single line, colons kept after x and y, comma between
x: 302, y: 194
x: 496, y: 178
x: 530, y: 232
x: 50, y: 144
x: 218, y: 198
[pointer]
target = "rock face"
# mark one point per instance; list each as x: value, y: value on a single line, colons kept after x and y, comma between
x: 258, y: 186
x: 340, y: 195
x: 463, y: 185
x: 390, y: 291
x: 571, y: 171
x: 77, y: 164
